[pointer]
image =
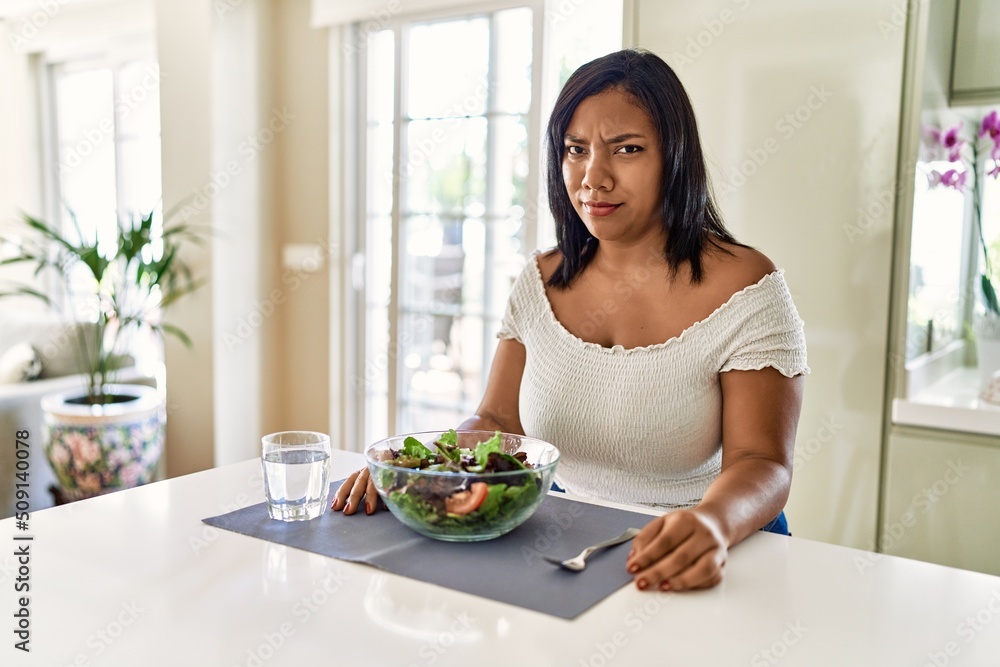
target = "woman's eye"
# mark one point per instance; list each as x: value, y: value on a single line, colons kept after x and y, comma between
x: 574, y: 150
x: 628, y: 150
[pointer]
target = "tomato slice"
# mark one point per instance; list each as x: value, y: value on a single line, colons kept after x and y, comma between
x: 466, y: 502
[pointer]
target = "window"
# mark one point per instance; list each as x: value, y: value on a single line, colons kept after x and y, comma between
x: 937, y: 264
x: 452, y: 113
x: 946, y: 254
x: 107, y: 141
x: 105, y: 157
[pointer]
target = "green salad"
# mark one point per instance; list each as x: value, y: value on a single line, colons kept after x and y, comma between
x: 476, y: 503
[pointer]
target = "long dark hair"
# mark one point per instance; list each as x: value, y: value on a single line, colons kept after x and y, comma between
x: 690, y: 217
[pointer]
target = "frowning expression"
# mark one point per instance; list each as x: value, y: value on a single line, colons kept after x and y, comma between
x: 612, y: 168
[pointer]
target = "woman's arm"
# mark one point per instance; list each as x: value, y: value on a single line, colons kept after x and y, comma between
x: 688, y: 548
x: 499, y: 407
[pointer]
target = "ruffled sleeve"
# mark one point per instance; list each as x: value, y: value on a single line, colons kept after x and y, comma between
x: 514, y: 312
x: 767, y: 331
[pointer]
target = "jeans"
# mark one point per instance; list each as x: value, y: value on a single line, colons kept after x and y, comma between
x: 779, y: 525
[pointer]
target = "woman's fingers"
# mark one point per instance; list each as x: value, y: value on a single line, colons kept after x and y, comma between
x: 357, y: 492
x: 658, y: 538
x: 681, y: 551
x: 343, y: 491
x: 703, y: 573
x: 349, y: 494
x: 371, y: 495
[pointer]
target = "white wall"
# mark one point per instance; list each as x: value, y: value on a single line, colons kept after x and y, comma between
x: 819, y: 203
x: 243, y: 155
x: 184, y: 51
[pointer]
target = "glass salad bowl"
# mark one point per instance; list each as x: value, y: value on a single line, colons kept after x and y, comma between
x: 462, y: 486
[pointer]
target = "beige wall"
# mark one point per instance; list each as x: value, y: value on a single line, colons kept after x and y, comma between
x: 746, y: 65
x: 19, y: 168
x: 19, y: 182
x: 184, y: 44
x: 300, y: 356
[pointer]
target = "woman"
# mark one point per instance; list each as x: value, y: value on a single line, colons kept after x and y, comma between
x: 663, y: 358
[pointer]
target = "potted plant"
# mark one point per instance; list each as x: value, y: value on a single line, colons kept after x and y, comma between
x: 973, y: 148
x: 106, y: 436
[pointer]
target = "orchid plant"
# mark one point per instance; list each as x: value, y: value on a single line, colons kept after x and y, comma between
x: 969, y: 155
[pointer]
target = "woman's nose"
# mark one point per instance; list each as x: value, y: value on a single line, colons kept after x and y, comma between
x: 597, y: 175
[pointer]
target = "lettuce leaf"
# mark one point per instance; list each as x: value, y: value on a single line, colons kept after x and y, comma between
x: 484, y: 449
x: 415, y: 449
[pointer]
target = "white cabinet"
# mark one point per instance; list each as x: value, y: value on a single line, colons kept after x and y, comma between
x: 942, y: 501
x: 976, y: 72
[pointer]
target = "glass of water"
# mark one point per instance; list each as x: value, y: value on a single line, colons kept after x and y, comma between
x: 296, y: 474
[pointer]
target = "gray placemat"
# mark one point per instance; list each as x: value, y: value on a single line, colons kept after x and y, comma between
x: 508, y: 569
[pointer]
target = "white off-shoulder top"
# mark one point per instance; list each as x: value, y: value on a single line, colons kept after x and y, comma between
x: 643, y: 425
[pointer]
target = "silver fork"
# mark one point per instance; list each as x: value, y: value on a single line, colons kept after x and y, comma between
x: 578, y: 563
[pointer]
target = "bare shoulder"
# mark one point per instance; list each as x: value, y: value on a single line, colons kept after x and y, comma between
x: 548, y: 262
x: 730, y: 267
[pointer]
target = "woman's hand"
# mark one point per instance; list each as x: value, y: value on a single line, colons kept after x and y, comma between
x: 678, y: 551
x: 349, y: 495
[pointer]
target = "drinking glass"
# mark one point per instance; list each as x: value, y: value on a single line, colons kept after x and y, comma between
x: 296, y: 474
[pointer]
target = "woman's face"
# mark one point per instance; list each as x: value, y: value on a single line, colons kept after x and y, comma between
x: 612, y: 168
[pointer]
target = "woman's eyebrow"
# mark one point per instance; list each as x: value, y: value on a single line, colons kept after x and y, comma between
x: 617, y: 139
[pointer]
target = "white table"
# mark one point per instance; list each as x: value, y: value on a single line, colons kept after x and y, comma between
x: 136, y: 579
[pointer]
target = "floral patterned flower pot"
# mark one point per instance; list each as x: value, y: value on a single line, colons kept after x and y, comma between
x: 96, y: 449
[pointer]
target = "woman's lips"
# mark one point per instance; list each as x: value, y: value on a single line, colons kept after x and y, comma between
x: 600, y: 209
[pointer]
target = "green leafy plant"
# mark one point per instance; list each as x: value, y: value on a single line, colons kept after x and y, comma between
x: 126, y: 283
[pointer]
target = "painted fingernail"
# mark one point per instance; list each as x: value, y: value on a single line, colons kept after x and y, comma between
x: 347, y: 508
x: 665, y: 586
x: 642, y: 584
x: 633, y: 568
x: 368, y: 509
